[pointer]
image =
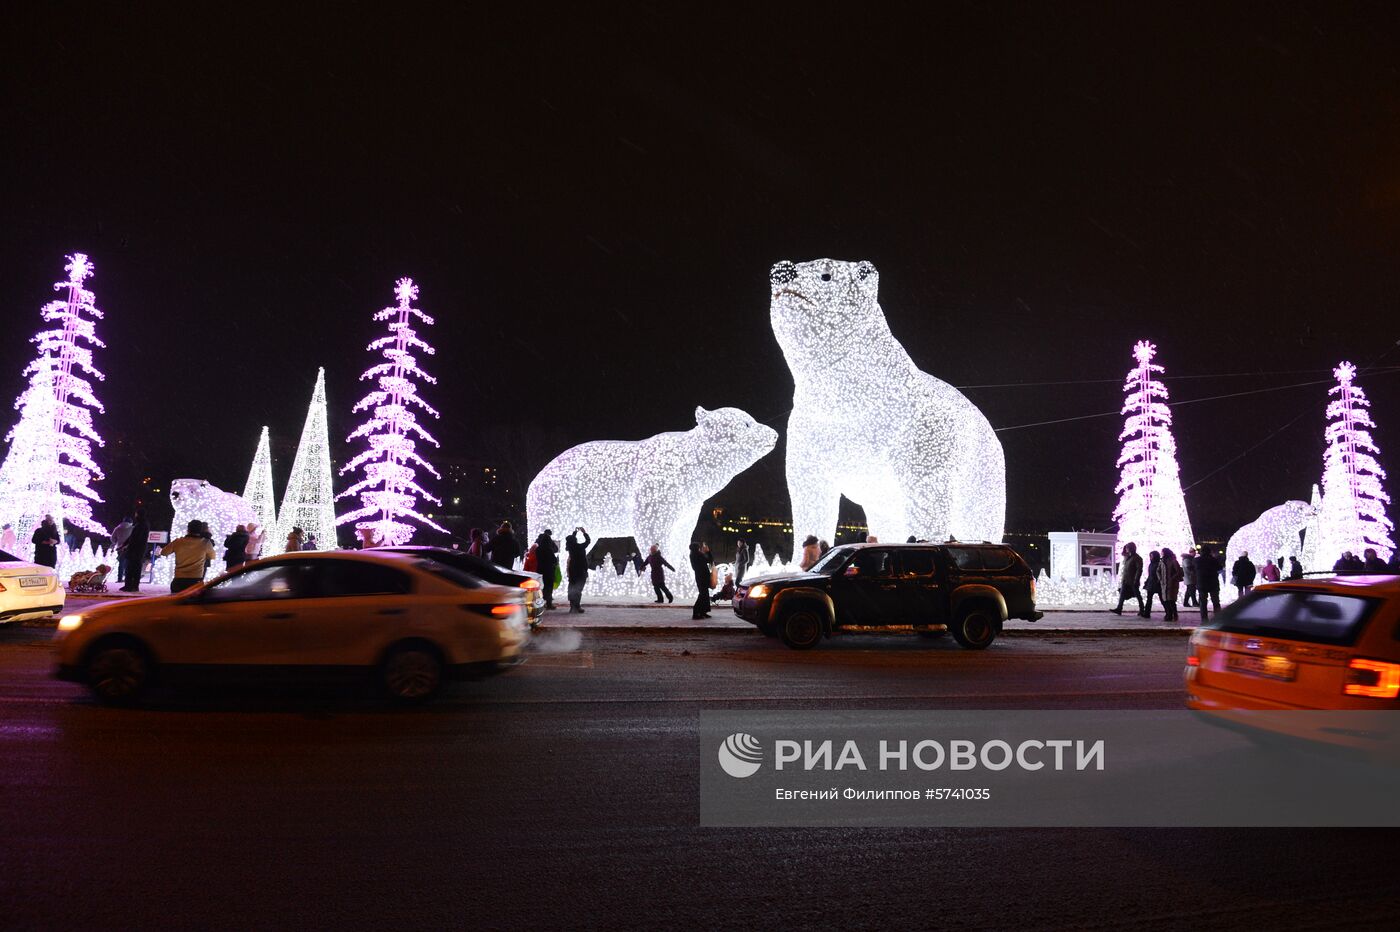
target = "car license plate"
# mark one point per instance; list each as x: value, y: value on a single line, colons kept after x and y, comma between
x: 1271, y: 666
x: 33, y: 582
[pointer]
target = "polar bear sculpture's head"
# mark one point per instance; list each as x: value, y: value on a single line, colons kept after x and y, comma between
x: 814, y: 302
x: 731, y: 440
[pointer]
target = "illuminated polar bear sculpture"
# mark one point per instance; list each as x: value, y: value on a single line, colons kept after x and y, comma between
x: 910, y: 449
x: 652, y: 489
x: 1272, y: 535
x: 198, y: 499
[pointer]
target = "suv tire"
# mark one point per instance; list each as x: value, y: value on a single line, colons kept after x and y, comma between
x: 801, y: 628
x: 976, y: 626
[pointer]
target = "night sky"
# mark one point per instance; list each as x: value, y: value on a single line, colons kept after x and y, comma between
x: 591, y: 206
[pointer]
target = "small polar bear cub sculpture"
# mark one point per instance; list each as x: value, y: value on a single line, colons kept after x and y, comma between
x: 910, y: 449
x: 1273, y: 534
x: 652, y: 489
x: 198, y: 499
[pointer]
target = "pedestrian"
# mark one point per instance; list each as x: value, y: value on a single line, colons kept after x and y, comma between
x: 726, y: 591
x: 134, y: 556
x: 547, y: 561
x: 310, y: 542
x: 1208, y: 579
x: 1129, y: 578
x: 1347, y: 564
x: 811, y: 552
x: 1295, y: 569
x: 659, y: 566
x: 72, y: 539
x: 1188, y: 582
x: 295, y: 539
x: 1269, y: 572
x: 1373, y: 565
x: 192, y: 554
x: 823, y: 546
x: 700, y: 565
x: 1152, y: 585
x: 1242, y: 575
x: 872, y: 539
x: 253, y: 548
x: 578, y: 566
x: 45, y: 540
x: 7, y: 539
x: 236, y: 548
x: 741, y: 561
x: 504, y: 548
x: 119, y: 535
x: 476, y: 545
x: 1169, y: 576
x: 1394, y: 565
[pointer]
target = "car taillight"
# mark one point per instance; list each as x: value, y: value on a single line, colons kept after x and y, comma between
x: 1374, y: 679
x: 530, y: 584
x: 1192, y: 660
x: 504, y: 611
x: 491, y: 611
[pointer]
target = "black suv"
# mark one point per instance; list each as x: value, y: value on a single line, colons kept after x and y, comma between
x: 969, y: 589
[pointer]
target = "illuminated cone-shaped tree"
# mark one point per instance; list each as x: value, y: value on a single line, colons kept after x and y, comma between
x: 257, y: 491
x: 29, y: 475
x: 65, y: 365
x: 1151, y: 508
x: 1353, y: 514
x: 309, y: 502
x: 389, y: 491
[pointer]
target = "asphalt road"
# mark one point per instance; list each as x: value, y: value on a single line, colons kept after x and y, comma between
x: 564, y: 794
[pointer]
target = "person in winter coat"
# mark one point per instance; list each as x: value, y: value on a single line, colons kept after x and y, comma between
x: 192, y: 555
x: 741, y: 562
x: 1269, y: 572
x: 577, y: 569
x: 7, y: 540
x: 659, y: 566
x: 236, y: 548
x: 726, y: 591
x: 1394, y: 565
x: 700, y: 565
x: 546, y: 564
x: 135, y: 553
x: 1152, y: 586
x: 295, y: 540
x: 119, y: 535
x: 1129, y: 579
x: 504, y: 548
x: 1373, y: 565
x: 1295, y: 569
x: 45, y: 540
x: 1169, y: 576
x: 477, y: 543
x: 253, y: 548
x: 1208, y: 579
x: 811, y: 552
x: 1188, y: 582
x: 1242, y: 574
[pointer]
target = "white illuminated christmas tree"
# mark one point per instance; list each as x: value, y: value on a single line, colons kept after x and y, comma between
x: 1352, y: 515
x: 309, y: 502
x: 389, y: 490
x: 1151, y: 508
x: 49, y: 466
x: 257, y: 491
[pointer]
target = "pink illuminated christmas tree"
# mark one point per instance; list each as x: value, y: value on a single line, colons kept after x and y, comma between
x: 1352, y: 515
x: 389, y: 491
x: 1151, y: 508
x: 49, y: 467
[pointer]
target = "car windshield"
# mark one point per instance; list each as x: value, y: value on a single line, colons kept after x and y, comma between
x: 832, y: 561
x: 1318, y: 617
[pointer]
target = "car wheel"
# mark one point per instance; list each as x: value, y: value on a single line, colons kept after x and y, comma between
x: 118, y: 672
x: 976, y: 627
x: 412, y: 673
x: 802, y: 628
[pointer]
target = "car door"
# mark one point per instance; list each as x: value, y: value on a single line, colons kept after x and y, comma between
x: 357, y: 607
x: 252, y: 618
x: 867, y: 591
x: 922, y: 591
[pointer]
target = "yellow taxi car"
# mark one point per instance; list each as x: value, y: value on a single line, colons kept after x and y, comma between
x: 407, y: 621
x: 1325, y: 644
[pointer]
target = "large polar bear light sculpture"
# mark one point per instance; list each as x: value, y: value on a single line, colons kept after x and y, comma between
x: 1274, y: 534
x: 910, y: 449
x: 652, y: 489
x: 198, y: 499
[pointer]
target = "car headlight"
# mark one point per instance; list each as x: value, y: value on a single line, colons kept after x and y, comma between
x: 758, y: 592
x: 70, y: 622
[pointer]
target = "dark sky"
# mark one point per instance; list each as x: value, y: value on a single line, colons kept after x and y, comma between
x: 591, y: 205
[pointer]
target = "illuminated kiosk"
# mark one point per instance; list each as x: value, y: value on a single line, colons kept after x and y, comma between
x: 1082, y: 555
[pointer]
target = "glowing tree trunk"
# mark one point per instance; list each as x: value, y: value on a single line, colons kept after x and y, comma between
x: 309, y: 502
x: 1151, y: 508
x: 1353, y: 513
x: 389, y: 491
x: 64, y: 364
x: 257, y: 492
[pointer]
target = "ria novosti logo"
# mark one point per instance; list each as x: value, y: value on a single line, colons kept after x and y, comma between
x: 740, y: 755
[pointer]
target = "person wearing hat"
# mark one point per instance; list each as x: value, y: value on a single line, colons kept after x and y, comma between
x: 191, y: 555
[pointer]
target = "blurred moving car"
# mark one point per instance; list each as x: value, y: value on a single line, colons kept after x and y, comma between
x: 969, y: 590
x: 1325, y: 644
x: 404, y: 621
x: 486, y: 571
x: 28, y: 590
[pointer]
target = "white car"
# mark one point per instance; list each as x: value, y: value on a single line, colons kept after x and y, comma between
x: 407, y: 622
x: 28, y: 590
